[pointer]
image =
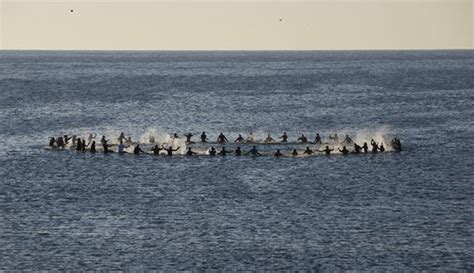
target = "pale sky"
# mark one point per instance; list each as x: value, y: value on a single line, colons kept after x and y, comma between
x: 236, y: 25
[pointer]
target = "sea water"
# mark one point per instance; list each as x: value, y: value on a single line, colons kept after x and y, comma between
x: 69, y: 210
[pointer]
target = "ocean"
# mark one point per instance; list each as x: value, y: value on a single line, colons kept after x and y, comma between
x: 393, y: 211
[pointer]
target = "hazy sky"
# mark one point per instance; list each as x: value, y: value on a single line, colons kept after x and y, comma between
x: 236, y: 25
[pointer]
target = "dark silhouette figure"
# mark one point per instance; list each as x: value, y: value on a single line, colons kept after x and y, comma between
x: 374, y: 146
x: 365, y: 147
x: 137, y: 150
x: 190, y: 152
x: 79, y: 145
x: 278, y: 153
x: 284, y: 137
x: 221, y: 138
x: 203, y: 137
x: 60, y: 142
x: 327, y: 150
x: 303, y: 139
x: 170, y: 150
x: 357, y: 149
x: 105, y: 146
x: 344, y: 150
x: 212, y: 151
x: 318, y: 140
x: 52, y: 142
x: 188, y: 138
x: 238, y: 151
x: 253, y: 151
x: 294, y: 153
x: 223, y: 152
x: 348, y: 140
x: 156, y: 150
x: 93, y: 150
x: 239, y: 139
x: 381, y: 148
x: 308, y: 151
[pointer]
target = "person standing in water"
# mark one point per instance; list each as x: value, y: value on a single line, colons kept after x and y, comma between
x: 294, y: 153
x: 303, y: 139
x: 105, y: 146
x: 318, y: 140
x: 79, y: 145
x: 381, y: 148
x: 374, y: 146
x: 269, y: 139
x: 253, y: 151
x: 223, y: 152
x: 52, y: 142
x: 327, y: 150
x: 156, y: 150
x: 221, y: 138
x: 93, y: 150
x: 357, y: 148
x: 284, y: 137
x: 121, y: 137
x: 121, y: 148
x: 278, y: 153
x: 170, y: 150
x: 308, y: 151
x: 60, y: 142
x: 212, y: 151
x: 238, y: 151
x: 365, y: 147
x: 137, y: 150
x: 203, y: 137
x: 190, y: 152
x: 344, y: 150
x: 90, y: 138
x: 239, y: 139
x: 188, y: 138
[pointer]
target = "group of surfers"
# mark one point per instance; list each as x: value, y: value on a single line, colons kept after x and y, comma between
x: 90, y: 144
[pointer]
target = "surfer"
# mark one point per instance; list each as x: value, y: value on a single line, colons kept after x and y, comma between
x: 239, y: 139
x: 278, y: 153
x: 190, y: 152
x: 253, y: 151
x: 121, y: 137
x: 269, y: 139
x: 303, y: 139
x: 79, y: 145
x: 93, y: 150
x: 212, y: 151
x: 52, y: 142
x: 344, y: 150
x: 223, y: 152
x: 318, y: 140
x: 381, y: 148
x: 348, y: 140
x: 250, y: 138
x: 221, y: 138
x: 335, y: 138
x: 365, y: 147
x: 170, y: 150
x: 91, y: 137
x: 156, y: 150
x: 203, y: 137
x: 60, y: 142
x: 357, y: 148
x: 294, y: 153
x: 374, y: 146
x: 327, y: 150
x: 137, y: 150
x: 238, y: 151
x: 121, y: 148
x: 105, y: 146
x: 188, y: 138
x: 308, y: 151
x: 284, y: 137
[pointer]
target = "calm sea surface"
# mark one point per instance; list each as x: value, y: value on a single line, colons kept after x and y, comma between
x: 66, y: 210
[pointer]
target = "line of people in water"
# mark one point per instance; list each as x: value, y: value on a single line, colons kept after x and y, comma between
x: 80, y: 145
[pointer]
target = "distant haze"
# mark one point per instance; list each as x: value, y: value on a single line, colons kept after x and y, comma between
x: 236, y: 25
